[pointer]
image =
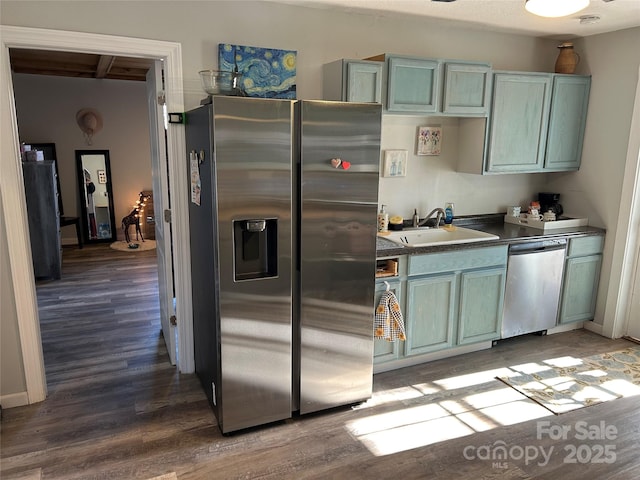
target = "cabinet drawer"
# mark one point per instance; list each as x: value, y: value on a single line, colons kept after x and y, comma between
x: 585, y: 246
x: 457, y: 260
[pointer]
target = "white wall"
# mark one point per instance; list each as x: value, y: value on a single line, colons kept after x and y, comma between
x: 46, y: 107
x: 433, y: 180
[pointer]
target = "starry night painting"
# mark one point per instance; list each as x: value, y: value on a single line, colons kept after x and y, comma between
x: 266, y: 72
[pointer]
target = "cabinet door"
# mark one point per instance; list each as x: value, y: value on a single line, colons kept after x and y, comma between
x: 363, y: 82
x: 384, y: 350
x: 466, y: 89
x: 519, y: 118
x: 580, y: 288
x: 431, y: 313
x: 481, y: 301
x: 567, y: 121
x: 413, y: 85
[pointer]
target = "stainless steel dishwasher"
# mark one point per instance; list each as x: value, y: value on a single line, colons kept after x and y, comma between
x: 532, y: 292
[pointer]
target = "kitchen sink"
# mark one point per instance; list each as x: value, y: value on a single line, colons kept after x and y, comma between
x: 426, y: 237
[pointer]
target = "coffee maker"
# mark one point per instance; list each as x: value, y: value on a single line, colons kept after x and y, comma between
x: 550, y: 202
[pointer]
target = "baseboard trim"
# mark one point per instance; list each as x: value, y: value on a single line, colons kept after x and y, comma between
x: 595, y: 328
x: 14, y: 400
x: 429, y: 357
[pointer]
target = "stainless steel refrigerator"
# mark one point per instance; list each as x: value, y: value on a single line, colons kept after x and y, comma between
x: 282, y: 254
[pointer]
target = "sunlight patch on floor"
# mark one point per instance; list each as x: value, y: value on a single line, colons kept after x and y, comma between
x: 469, y: 380
x: 492, y: 398
x: 564, y: 362
x: 407, y: 437
x: 621, y: 387
x: 397, y: 418
x: 432, y: 412
x: 528, y: 368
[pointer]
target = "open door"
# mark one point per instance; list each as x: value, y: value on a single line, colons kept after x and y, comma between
x: 161, y: 204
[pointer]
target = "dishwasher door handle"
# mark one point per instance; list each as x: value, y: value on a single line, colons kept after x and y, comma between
x: 538, y: 246
x: 536, y: 250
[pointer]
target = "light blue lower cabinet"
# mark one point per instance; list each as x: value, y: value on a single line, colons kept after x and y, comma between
x: 481, y: 302
x: 449, y: 299
x: 383, y: 350
x: 431, y: 313
x: 581, y: 279
x: 580, y: 289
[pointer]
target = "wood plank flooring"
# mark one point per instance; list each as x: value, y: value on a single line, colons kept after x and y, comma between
x: 118, y: 410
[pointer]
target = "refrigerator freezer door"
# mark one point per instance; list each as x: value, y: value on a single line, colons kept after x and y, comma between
x: 252, y: 141
x: 337, y: 224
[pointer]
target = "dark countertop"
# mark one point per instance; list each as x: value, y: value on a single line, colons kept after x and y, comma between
x: 494, y: 224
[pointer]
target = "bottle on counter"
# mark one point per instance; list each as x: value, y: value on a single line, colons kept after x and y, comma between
x: 448, y: 213
x: 383, y: 220
x: 416, y: 220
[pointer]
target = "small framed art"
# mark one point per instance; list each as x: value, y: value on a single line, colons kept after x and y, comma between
x: 395, y: 163
x: 429, y: 140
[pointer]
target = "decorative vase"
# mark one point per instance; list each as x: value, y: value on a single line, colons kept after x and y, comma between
x: 567, y: 59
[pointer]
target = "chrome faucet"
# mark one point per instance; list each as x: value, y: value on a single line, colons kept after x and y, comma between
x: 439, y: 215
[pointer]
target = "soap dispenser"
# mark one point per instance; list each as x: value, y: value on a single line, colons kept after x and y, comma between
x: 383, y: 220
x: 448, y: 213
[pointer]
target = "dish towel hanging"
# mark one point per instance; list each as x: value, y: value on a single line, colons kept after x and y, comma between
x: 389, y: 323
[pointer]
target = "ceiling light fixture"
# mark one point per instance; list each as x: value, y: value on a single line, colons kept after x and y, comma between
x: 555, y: 8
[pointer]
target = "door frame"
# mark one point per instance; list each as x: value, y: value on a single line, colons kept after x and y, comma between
x: 13, y: 196
x: 626, y: 251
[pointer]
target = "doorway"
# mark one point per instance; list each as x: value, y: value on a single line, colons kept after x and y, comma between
x: 46, y: 107
x: 14, y: 198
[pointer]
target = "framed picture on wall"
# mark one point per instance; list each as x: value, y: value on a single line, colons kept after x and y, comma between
x: 429, y: 140
x: 395, y: 163
x: 102, y: 176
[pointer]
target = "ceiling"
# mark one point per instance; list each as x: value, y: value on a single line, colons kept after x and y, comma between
x: 507, y: 16
x: 79, y: 65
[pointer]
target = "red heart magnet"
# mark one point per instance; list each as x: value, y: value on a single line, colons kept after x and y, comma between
x: 346, y: 165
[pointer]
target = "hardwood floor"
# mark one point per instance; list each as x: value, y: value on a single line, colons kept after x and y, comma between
x: 118, y: 410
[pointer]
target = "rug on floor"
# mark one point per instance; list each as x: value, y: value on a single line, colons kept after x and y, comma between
x: 134, y: 246
x: 568, y: 383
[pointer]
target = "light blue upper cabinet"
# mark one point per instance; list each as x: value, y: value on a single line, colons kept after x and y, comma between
x: 413, y: 85
x: 364, y: 82
x: 567, y: 120
x: 353, y: 81
x: 467, y: 88
x: 537, y: 122
x: 519, y: 119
